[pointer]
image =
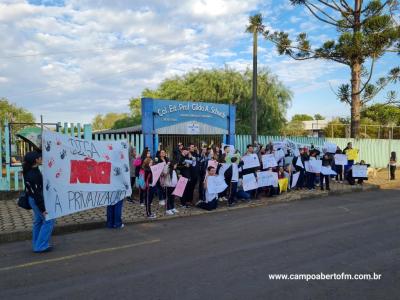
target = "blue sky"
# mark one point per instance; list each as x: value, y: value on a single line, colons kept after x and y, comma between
x: 72, y: 59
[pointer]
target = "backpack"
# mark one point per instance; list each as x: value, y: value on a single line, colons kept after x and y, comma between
x: 140, y: 181
x: 137, y: 162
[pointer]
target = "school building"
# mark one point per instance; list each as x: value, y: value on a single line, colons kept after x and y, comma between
x: 169, y: 122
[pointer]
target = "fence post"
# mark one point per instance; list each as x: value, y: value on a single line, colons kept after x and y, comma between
x: 78, y: 125
x: 87, y: 132
x: 7, y: 146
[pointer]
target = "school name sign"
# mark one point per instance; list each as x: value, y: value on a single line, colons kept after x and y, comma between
x: 196, y: 107
x: 80, y: 174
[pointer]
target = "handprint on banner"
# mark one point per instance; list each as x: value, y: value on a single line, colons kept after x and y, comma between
x: 63, y: 154
x: 48, y: 146
x: 90, y: 171
x: 50, y: 162
x: 58, y: 174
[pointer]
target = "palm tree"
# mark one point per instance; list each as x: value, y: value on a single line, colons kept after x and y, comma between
x: 255, y: 27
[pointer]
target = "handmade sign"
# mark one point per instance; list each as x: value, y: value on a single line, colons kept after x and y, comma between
x: 216, y: 184
x: 279, y: 154
x: 180, y: 186
x: 295, y: 178
x: 268, y: 161
x: 352, y: 154
x: 283, y: 185
x: 250, y: 161
x: 329, y: 147
x: 80, y: 174
x: 249, y: 182
x: 156, y: 171
x: 340, y: 159
x: 360, y: 171
x: 267, y: 178
x: 299, y: 163
x: 327, y: 171
x: 223, y: 168
x: 279, y: 145
x: 313, y: 165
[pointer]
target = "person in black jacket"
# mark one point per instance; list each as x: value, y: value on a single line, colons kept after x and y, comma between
x: 327, y: 161
x: 41, y: 229
x: 185, y: 166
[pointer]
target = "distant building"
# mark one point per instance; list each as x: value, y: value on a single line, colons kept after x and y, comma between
x: 315, y: 127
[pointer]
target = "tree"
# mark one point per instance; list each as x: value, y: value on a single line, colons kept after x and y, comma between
x: 107, y: 121
x: 301, y: 117
x: 255, y: 27
x: 383, y: 114
x: 294, y: 128
x: 318, y: 117
x: 12, y: 113
x: 229, y: 86
x: 366, y: 33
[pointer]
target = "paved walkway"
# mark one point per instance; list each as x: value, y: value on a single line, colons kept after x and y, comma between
x: 16, y: 223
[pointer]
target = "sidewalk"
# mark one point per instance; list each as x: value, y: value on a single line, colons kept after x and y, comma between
x: 16, y: 223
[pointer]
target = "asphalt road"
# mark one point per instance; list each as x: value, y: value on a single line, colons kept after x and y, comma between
x: 226, y: 255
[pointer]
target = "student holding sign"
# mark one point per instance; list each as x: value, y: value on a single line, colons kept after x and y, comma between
x: 169, y: 183
x: 327, y: 161
x: 41, y: 229
x: 149, y: 189
x: 211, y: 199
x: 162, y: 193
x: 339, y: 167
x: 251, y: 164
x: 352, y: 155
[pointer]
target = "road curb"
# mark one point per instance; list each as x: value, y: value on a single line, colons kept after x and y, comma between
x: 70, y: 228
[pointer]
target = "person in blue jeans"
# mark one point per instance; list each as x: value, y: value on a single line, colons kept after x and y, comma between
x: 41, y: 228
x: 114, y: 215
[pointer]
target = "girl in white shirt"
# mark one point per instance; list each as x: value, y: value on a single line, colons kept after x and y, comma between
x: 211, y: 199
x: 170, y: 179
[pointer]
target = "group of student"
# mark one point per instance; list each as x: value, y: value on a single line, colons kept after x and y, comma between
x: 198, y: 166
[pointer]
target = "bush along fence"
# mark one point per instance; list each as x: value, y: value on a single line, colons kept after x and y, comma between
x: 374, y: 152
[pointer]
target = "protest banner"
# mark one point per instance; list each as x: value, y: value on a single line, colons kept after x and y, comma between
x: 156, y: 171
x: 295, y: 178
x: 250, y: 161
x: 267, y: 178
x: 340, y: 159
x: 268, y: 161
x: 329, y: 147
x: 216, y: 184
x: 80, y: 174
x: 249, y: 182
x: 360, y: 171
x: 327, y: 171
x: 313, y: 165
x: 180, y: 186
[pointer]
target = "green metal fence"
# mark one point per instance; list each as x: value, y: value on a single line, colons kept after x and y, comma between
x: 374, y: 151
